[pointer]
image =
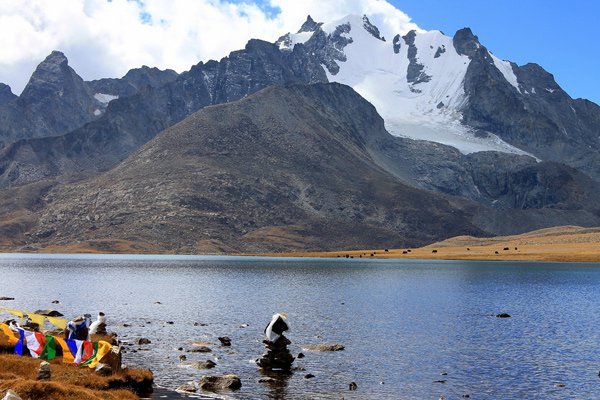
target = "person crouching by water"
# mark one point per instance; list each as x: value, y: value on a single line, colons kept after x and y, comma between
x: 78, y: 328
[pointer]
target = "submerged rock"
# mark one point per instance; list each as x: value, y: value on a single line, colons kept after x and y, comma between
x: 143, y: 341
x: 199, y: 349
x: 208, y: 364
x: 220, y: 382
x: 324, y: 347
x: 225, y: 341
x: 189, y: 387
x: 49, y: 313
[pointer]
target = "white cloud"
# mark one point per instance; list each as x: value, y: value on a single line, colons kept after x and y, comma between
x: 105, y: 38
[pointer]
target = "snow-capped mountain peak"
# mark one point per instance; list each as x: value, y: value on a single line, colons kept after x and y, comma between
x: 415, y: 79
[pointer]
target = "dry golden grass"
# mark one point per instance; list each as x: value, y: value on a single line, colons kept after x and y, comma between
x: 49, y: 390
x: 68, y: 381
x: 568, y: 243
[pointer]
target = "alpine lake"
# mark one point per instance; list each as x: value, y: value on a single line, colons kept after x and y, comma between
x: 411, y: 329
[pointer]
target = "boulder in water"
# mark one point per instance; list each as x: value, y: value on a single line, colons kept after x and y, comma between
x: 220, y: 382
x: 49, y: 313
x: 324, y: 347
x: 199, y: 349
x: 208, y: 364
x: 225, y: 341
x: 189, y: 387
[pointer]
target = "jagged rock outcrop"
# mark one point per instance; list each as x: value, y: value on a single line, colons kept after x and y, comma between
x: 323, y: 47
x: 6, y: 94
x: 133, y: 81
x: 537, y: 116
x: 55, y: 101
x: 415, y: 73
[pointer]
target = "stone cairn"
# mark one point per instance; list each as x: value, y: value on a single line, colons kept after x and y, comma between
x: 277, y: 357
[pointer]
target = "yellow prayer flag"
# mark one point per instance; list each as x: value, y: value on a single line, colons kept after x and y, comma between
x: 15, y: 312
x: 8, y: 337
x: 103, y: 349
x: 38, y: 319
x: 58, y: 322
x: 67, y: 356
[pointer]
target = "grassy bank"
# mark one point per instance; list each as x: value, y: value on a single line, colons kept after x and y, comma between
x: 566, y: 244
x: 68, y: 381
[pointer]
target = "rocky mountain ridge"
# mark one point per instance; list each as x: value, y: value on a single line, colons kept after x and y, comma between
x: 505, y: 148
x: 131, y: 121
x: 286, y: 167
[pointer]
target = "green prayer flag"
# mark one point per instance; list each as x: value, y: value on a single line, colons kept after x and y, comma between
x: 49, y: 351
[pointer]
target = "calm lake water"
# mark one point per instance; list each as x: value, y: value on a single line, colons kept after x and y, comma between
x: 403, y: 323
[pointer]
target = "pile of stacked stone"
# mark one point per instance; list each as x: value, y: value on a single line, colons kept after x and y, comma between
x: 277, y: 357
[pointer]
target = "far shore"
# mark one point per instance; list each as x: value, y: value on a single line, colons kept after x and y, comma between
x: 560, y: 244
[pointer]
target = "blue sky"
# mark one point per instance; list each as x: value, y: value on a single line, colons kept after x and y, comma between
x: 561, y: 36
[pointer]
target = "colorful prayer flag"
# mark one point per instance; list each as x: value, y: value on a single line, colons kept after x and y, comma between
x: 38, y: 319
x: 82, y: 350
x: 49, y: 351
x: 35, y: 343
x: 67, y: 357
x: 60, y: 323
x: 8, y: 337
x: 102, y: 348
x: 20, y: 346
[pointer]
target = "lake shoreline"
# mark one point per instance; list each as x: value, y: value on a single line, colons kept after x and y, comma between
x: 560, y: 244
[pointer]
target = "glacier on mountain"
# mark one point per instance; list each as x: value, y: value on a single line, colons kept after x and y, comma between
x: 423, y: 107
